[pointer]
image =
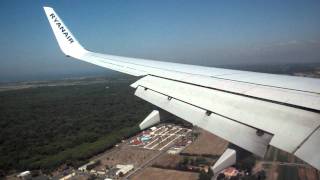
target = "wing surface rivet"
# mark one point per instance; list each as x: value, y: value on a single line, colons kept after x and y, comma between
x: 208, y: 113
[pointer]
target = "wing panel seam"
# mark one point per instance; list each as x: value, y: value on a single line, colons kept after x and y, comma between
x: 253, y: 97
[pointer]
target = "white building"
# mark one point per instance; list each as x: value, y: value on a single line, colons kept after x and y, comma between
x: 84, y: 167
x: 124, y: 169
x: 24, y: 175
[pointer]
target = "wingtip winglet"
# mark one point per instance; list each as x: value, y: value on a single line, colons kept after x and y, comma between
x: 67, y: 42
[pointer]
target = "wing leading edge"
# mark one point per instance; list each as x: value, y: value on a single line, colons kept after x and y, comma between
x: 239, y: 103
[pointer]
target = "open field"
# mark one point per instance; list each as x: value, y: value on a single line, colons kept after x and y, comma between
x: 274, y: 154
x: 276, y: 170
x: 279, y: 164
x: 307, y: 173
x: 207, y: 144
x: 157, y: 173
x: 125, y: 154
x: 168, y: 160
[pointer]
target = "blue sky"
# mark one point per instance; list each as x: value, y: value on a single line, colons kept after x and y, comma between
x: 211, y: 33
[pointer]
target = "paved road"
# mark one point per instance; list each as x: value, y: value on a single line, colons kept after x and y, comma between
x: 284, y: 163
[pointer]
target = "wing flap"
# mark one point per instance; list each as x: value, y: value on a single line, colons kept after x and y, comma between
x: 232, y: 112
x: 309, y: 151
x: 274, y: 118
x: 239, y: 134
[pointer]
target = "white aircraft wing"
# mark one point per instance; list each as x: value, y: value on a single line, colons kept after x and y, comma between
x: 249, y: 109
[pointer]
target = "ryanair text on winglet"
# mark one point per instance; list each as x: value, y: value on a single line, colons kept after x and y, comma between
x: 63, y: 30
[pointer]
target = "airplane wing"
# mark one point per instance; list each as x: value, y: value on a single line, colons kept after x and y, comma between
x: 249, y: 109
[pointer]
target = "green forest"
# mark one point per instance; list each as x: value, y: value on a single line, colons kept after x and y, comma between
x: 44, y: 127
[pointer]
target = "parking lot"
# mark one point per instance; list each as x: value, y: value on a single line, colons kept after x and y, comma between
x: 158, y: 138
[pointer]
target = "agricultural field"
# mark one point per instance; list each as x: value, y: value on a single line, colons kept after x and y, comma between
x: 151, y: 172
x: 279, y: 164
x: 125, y: 154
x: 168, y: 161
x: 201, y: 146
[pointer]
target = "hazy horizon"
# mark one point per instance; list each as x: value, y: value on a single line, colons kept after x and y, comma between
x: 102, y: 72
x: 207, y: 33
